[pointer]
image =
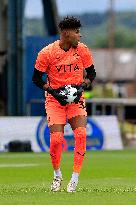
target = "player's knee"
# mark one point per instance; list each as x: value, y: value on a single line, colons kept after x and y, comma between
x: 80, y: 132
x: 56, y: 138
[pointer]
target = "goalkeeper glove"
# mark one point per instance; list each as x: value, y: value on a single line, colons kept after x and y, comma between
x: 80, y: 89
x: 55, y: 93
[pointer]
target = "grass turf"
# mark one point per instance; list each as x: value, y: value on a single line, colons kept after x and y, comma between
x: 107, y: 178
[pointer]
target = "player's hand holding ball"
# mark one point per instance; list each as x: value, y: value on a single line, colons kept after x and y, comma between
x: 55, y: 93
x: 67, y: 94
x: 79, y: 92
x: 70, y: 92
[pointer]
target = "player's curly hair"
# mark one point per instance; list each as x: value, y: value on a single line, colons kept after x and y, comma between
x: 69, y: 22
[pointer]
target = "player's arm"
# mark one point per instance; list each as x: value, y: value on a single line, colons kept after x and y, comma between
x: 38, y: 81
x: 89, y: 75
x: 87, y: 59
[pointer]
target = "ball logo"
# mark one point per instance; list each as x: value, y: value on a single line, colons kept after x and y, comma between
x: 94, y: 136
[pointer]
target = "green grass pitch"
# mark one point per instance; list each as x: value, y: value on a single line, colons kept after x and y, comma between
x: 107, y: 178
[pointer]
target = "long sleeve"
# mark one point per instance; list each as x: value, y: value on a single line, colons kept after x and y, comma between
x: 37, y: 78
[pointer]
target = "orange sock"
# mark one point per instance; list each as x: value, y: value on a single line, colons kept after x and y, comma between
x: 80, y: 148
x: 56, y: 140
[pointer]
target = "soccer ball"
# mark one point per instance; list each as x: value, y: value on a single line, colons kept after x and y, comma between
x: 69, y: 92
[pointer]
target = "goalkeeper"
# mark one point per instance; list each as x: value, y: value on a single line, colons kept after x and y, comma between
x: 65, y: 61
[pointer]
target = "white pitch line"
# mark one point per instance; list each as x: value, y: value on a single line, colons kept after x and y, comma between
x: 22, y: 156
x: 17, y: 165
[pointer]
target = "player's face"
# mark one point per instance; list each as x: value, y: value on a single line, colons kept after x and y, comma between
x: 74, y: 37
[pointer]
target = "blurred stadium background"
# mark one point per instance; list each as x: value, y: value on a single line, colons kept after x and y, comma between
x: 109, y: 30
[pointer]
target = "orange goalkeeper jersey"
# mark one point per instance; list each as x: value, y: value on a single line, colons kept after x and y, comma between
x: 63, y: 67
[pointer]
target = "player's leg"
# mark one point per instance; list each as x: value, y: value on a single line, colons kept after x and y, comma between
x: 78, y: 124
x: 56, y: 121
x: 56, y: 141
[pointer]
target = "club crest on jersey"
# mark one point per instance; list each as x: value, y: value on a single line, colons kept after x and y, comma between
x: 76, y: 55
